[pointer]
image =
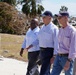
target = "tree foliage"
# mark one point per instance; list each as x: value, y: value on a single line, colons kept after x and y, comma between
x: 32, y: 8
x: 63, y: 8
x: 27, y: 7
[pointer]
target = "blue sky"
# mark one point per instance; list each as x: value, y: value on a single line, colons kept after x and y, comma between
x: 54, y: 5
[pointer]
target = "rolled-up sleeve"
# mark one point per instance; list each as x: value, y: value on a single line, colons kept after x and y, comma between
x: 72, y: 49
x: 24, y: 43
x: 56, y: 40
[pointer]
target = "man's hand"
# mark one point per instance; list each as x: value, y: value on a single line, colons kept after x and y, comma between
x: 52, y: 60
x: 67, y: 66
x: 30, y: 46
x: 21, y: 52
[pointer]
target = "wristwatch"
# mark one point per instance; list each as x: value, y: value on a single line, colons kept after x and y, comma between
x: 69, y: 60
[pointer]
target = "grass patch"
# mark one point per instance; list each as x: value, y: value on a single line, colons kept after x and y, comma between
x: 10, y: 46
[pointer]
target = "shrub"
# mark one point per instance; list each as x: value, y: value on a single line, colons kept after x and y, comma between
x: 11, y: 21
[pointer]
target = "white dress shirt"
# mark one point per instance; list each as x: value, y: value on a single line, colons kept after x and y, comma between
x: 30, y: 37
x: 48, y: 37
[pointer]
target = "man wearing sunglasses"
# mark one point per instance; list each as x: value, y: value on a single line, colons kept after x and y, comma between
x: 67, y: 46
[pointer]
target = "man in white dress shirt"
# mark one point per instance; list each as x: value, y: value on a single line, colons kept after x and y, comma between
x: 33, y: 52
x: 48, y: 42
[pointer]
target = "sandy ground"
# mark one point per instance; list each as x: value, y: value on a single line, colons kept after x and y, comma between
x: 10, y: 66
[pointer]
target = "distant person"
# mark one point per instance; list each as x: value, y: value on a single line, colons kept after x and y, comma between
x: 55, y: 21
x: 33, y: 53
x: 48, y: 42
x: 67, y: 46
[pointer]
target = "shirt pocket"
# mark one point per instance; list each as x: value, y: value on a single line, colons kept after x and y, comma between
x: 66, y: 41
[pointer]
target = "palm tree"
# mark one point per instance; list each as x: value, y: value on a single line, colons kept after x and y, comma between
x: 32, y: 8
x: 40, y: 9
x: 26, y: 9
x: 63, y: 8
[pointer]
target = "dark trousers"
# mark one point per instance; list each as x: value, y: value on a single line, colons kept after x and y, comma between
x: 46, y: 55
x: 32, y: 60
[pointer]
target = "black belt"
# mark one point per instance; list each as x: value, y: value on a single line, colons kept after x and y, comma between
x: 46, y: 48
x: 63, y: 54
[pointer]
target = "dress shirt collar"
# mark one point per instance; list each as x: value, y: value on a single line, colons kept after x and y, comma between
x: 34, y: 29
x: 49, y: 24
x: 66, y: 26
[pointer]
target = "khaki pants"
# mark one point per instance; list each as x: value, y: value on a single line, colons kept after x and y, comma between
x: 74, y: 67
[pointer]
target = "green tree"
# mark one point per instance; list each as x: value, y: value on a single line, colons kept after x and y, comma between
x: 40, y: 9
x: 63, y: 8
x: 32, y: 8
x: 26, y: 9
